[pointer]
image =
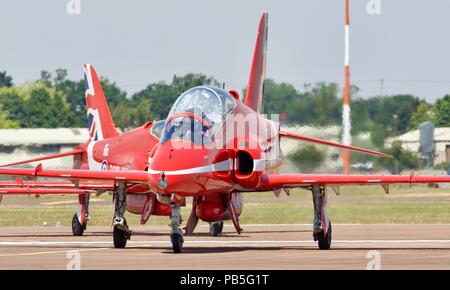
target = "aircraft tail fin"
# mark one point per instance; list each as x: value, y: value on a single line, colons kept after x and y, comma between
x: 100, y: 123
x: 255, y: 90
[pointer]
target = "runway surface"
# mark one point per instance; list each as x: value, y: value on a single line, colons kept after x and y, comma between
x: 258, y: 247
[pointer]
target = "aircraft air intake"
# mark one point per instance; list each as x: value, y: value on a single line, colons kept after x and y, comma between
x: 244, y: 163
x: 244, y: 170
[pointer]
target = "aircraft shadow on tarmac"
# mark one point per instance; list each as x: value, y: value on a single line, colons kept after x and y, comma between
x: 55, y: 235
x: 218, y: 250
x: 148, y: 234
x: 211, y: 250
x: 244, y: 234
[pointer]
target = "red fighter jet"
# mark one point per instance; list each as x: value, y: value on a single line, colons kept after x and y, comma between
x: 212, y: 147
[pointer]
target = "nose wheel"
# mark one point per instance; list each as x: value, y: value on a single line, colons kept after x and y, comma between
x: 215, y: 228
x: 177, y: 241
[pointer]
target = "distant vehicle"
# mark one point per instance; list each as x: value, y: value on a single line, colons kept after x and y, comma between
x: 366, y: 166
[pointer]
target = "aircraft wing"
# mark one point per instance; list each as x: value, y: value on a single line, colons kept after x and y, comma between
x: 271, y: 181
x: 81, y: 181
x: 76, y: 174
x: 329, y: 143
x: 30, y: 191
x: 19, y: 186
x: 82, y: 185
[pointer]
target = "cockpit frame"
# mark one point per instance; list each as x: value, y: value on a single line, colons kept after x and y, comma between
x: 200, y: 108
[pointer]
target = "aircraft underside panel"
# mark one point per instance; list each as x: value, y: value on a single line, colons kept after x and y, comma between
x: 215, y: 207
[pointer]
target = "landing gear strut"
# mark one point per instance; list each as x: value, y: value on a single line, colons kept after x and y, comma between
x: 81, y: 218
x: 176, y: 234
x: 215, y: 228
x: 121, y: 232
x: 322, y: 232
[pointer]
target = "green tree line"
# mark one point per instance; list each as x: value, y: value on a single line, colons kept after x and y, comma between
x: 56, y: 101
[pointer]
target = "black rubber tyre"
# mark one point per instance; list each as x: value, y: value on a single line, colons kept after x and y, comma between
x: 77, y: 228
x: 120, y: 238
x: 177, y: 242
x: 215, y: 229
x: 325, y: 241
x: 221, y: 228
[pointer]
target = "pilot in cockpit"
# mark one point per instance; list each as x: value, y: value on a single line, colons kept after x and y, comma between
x: 196, y: 115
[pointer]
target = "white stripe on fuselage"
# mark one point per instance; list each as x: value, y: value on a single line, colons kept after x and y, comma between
x: 258, y: 165
x: 219, y: 166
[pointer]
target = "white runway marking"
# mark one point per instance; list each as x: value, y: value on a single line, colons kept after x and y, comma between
x: 217, y: 242
x: 50, y: 252
x: 310, y: 225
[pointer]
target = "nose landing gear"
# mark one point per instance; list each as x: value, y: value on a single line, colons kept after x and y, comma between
x: 176, y: 234
x: 176, y: 237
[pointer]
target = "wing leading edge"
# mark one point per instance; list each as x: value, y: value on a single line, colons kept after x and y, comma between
x: 271, y: 181
x: 268, y: 182
x: 87, y: 181
x: 34, y: 190
x: 130, y: 176
x: 329, y: 143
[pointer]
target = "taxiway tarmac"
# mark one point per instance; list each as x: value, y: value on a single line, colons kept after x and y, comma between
x: 258, y: 247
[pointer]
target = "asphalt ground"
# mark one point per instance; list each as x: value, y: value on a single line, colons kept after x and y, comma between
x: 384, y: 246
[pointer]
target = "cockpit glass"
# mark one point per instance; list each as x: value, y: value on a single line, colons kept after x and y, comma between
x: 157, y: 128
x: 187, y: 128
x: 200, y: 110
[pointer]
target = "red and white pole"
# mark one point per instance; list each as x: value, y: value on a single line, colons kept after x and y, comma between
x: 346, y: 136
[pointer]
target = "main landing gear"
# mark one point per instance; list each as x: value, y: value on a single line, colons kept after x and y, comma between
x: 215, y: 228
x: 322, y: 231
x: 78, y: 228
x: 121, y: 232
x: 81, y: 217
